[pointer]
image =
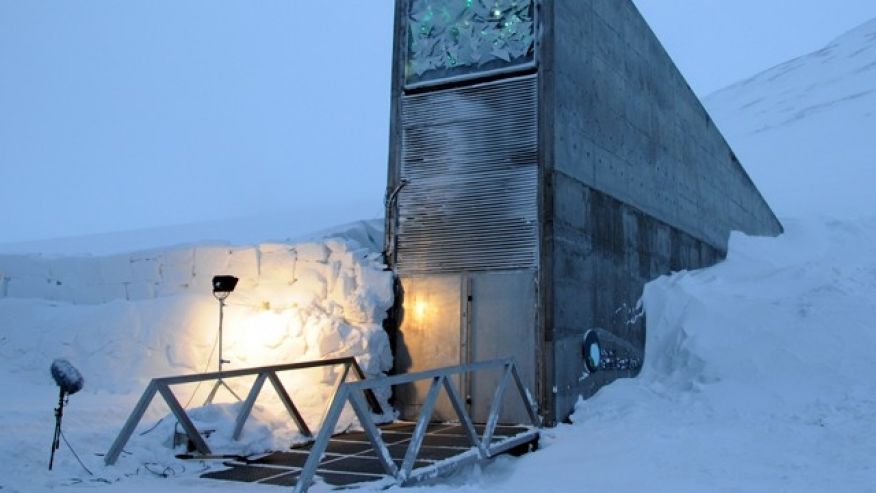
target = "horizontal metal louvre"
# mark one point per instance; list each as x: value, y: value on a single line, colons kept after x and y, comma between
x: 470, y: 158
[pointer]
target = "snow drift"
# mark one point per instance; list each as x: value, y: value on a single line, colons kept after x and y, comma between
x: 758, y: 372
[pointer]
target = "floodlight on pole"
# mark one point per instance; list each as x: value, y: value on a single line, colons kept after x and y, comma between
x: 223, y: 286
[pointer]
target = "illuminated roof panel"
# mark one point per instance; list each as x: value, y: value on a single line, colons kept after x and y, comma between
x: 464, y: 38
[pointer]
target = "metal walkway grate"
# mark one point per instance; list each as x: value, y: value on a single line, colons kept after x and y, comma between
x: 350, y: 458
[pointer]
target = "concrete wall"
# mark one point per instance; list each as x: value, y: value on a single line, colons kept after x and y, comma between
x: 604, y: 251
x: 626, y: 123
x: 636, y: 182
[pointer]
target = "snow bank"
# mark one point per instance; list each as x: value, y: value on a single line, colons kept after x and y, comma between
x: 758, y: 373
x: 125, y: 319
x: 798, y: 308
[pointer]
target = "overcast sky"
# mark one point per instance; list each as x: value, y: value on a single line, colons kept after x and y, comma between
x: 718, y: 42
x: 119, y: 115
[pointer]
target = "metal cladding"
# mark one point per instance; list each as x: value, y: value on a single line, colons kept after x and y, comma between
x: 547, y: 160
x: 469, y: 158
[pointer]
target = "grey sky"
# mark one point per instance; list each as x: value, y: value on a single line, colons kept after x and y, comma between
x: 123, y: 115
x: 718, y: 42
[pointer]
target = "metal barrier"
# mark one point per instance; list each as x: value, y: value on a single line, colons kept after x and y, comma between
x: 353, y: 392
x: 161, y: 386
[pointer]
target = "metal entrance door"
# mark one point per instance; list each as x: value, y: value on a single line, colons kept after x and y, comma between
x: 503, y: 324
x: 456, y: 319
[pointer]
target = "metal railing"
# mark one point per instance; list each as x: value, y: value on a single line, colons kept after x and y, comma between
x: 161, y: 386
x: 355, y: 393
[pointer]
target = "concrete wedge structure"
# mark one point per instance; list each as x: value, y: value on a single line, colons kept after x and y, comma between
x: 547, y: 160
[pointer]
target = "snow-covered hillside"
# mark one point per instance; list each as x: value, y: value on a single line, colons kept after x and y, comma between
x: 280, y: 226
x: 806, y: 130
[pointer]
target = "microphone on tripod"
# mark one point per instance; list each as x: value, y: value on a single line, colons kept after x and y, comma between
x: 69, y: 381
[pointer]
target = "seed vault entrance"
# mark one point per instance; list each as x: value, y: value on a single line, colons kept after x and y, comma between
x: 454, y: 319
x: 547, y: 159
x: 466, y: 241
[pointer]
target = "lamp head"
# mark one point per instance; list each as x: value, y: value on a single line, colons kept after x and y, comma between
x: 223, y: 286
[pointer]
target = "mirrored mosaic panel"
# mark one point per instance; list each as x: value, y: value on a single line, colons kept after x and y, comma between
x: 448, y: 38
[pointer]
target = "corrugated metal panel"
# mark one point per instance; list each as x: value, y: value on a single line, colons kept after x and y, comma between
x: 470, y: 157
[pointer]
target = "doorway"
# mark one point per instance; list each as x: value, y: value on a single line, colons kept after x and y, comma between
x: 453, y: 319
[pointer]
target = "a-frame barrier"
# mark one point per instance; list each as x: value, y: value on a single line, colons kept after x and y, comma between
x: 162, y: 387
x: 360, y: 396
x: 355, y: 394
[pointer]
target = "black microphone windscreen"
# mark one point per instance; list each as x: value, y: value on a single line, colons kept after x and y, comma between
x: 67, y: 377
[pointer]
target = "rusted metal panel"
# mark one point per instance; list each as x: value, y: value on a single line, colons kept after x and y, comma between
x: 470, y: 163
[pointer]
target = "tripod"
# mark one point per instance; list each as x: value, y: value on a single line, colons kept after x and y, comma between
x: 220, y: 382
x: 59, y: 413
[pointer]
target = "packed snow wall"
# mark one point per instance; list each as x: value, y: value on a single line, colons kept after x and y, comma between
x: 125, y: 319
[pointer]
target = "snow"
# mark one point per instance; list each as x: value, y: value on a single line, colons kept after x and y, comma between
x: 804, y: 129
x: 758, y: 371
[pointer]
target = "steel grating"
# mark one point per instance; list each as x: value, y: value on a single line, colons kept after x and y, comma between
x: 469, y: 157
x: 350, y: 459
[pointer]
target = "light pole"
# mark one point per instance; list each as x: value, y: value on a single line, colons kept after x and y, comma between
x: 223, y: 286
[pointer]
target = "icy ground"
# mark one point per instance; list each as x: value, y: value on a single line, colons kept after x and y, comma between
x: 758, y: 376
